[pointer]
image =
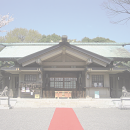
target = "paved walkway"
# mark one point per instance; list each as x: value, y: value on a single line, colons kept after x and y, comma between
x: 39, y: 118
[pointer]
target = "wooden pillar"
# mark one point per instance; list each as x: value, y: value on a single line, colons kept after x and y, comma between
x: 19, y: 90
x: 83, y: 79
x: 11, y: 86
x: 87, y: 92
x: 41, y: 81
x: 20, y: 80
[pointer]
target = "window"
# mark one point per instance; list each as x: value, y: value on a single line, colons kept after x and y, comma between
x: 97, y: 80
x: 58, y: 82
x: 63, y: 82
x: 70, y: 82
x: 30, y: 77
x: 52, y: 82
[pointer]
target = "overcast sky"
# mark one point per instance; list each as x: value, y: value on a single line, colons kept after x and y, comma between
x: 74, y: 18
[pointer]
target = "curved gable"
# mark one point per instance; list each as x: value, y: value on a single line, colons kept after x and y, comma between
x: 66, y: 48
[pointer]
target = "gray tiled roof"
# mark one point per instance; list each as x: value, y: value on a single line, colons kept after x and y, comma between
x: 42, y: 52
x: 19, y: 50
x: 73, y: 43
x: 108, y: 51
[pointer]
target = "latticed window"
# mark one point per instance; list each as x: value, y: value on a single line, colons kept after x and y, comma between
x: 52, y: 82
x: 97, y: 80
x: 30, y: 77
x: 58, y: 82
x: 63, y: 82
x: 70, y: 82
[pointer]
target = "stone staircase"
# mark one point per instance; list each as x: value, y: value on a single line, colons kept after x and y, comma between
x: 71, y: 103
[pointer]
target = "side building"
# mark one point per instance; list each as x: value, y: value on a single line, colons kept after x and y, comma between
x: 84, y: 69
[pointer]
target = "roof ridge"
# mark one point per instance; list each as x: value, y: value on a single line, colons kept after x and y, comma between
x: 55, y: 43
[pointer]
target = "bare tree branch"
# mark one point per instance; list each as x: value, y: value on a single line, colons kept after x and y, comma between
x: 126, y: 19
x: 118, y: 7
x: 4, y: 20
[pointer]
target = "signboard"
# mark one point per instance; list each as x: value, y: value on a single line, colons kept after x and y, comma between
x: 31, y: 93
x: 27, y: 89
x: 100, y: 85
x: 37, y: 95
x: 23, y: 89
x: 96, y: 94
x: 95, y: 84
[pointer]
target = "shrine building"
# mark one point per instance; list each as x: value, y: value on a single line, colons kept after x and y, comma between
x: 64, y: 70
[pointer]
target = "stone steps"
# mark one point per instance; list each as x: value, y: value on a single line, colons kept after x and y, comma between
x: 83, y: 103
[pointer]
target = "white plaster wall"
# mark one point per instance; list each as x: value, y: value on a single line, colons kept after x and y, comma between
x: 104, y: 92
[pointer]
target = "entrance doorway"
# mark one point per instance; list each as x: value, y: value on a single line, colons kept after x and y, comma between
x: 63, y: 82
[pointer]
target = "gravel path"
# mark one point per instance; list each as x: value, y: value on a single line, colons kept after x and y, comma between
x: 90, y: 118
x: 26, y: 119
x: 103, y: 119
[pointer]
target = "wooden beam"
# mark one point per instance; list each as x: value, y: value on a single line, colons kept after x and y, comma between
x: 55, y: 58
x: 28, y: 62
x: 63, y: 57
x: 73, y: 58
x: 29, y: 71
x: 50, y: 54
x: 100, y: 62
x: 85, y: 57
x: 38, y: 61
x: 63, y: 63
x: 77, y: 54
x: 63, y: 69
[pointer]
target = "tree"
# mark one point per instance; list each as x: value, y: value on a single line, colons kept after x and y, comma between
x: 2, y: 39
x: 72, y: 40
x: 4, y: 20
x: 86, y: 39
x: 97, y: 39
x: 118, y: 7
x: 101, y: 39
x: 43, y: 39
x: 33, y: 36
x: 55, y: 38
x: 50, y: 38
x: 17, y: 35
x: 22, y: 35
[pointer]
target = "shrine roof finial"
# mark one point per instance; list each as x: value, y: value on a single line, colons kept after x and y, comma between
x: 64, y: 38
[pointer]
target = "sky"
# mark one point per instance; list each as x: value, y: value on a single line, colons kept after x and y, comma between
x: 75, y: 18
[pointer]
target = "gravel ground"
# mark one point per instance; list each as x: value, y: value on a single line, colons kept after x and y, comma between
x: 90, y: 118
x: 103, y: 119
x: 26, y: 119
